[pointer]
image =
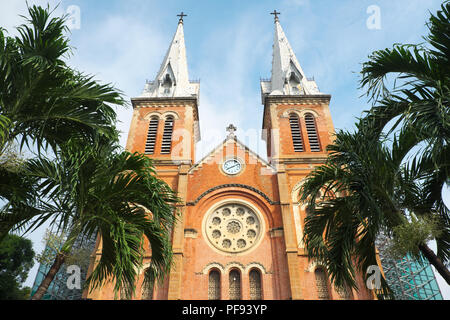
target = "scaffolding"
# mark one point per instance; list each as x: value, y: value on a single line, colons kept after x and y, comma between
x: 408, y: 278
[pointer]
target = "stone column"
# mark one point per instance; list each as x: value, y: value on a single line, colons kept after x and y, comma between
x: 289, y: 234
x: 176, y: 273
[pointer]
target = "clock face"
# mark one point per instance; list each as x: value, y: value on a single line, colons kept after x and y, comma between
x: 232, y: 166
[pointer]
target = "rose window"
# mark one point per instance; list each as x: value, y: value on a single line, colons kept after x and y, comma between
x: 233, y: 228
x: 216, y: 221
x: 226, y: 243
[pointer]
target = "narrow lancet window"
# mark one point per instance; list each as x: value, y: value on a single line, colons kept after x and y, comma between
x: 235, y: 285
x: 311, y: 129
x: 255, y: 285
x: 296, y: 133
x: 151, y: 136
x: 167, y: 135
x: 214, y: 285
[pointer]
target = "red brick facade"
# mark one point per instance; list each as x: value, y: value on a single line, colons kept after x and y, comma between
x: 270, y: 190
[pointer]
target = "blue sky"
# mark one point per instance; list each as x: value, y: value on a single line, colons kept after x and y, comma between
x: 229, y: 48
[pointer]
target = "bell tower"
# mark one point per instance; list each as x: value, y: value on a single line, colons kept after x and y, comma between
x: 165, y: 117
x: 297, y: 121
x: 297, y: 127
x: 165, y: 127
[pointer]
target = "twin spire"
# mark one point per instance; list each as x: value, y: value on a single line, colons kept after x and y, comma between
x: 172, y: 79
x: 288, y: 78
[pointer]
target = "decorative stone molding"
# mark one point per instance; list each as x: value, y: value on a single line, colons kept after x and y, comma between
x: 303, y: 99
x: 301, y: 113
x: 213, y: 265
x: 255, y: 265
x: 150, y: 115
x: 169, y: 162
x: 311, y: 160
x: 163, y: 101
x: 170, y: 113
x: 244, y: 269
x: 232, y: 185
x: 190, y: 233
x: 234, y: 265
x: 276, y: 232
x: 313, y: 265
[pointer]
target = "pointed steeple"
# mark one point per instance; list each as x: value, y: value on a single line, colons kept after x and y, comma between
x: 287, y: 77
x: 172, y: 79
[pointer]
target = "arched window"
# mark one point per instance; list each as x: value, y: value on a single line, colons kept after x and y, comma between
x: 255, y: 285
x: 151, y: 135
x: 296, y: 132
x: 235, y: 285
x: 214, y: 285
x: 167, y: 136
x: 311, y: 129
x: 167, y: 84
x: 322, y: 284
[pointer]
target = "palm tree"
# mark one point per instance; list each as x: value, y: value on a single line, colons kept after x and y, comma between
x: 96, y: 189
x: 371, y: 187
x: 420, y: 95
x: 4, y: 129
x: 89, y: 187
x: 419, y: 101
x: 46, y: 101
x: 366, y: 188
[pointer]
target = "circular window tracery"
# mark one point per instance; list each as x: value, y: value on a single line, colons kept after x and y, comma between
x: 233, y: 227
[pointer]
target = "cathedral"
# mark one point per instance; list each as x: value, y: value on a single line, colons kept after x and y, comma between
x: 239, y: 235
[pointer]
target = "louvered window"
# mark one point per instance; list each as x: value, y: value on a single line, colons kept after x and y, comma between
x: 311, y: 129
x: 235, y: 285
x: 296, y: 133
x: 322, y: 284
x: 255, y: 285
x: 214, y: 285
x: 151, y: 136
x: 167, y: 136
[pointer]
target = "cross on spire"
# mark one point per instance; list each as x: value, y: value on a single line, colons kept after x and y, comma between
x: 231, y: 129
x: 181, y: 15
x: 275, y: 13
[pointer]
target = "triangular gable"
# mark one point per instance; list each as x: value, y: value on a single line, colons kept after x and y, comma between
x: 240, y: 145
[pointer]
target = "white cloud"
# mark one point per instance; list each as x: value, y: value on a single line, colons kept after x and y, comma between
x: 299, y: 3
x: 128, y: 51
x: 11, y: 11
x: 228, y: 94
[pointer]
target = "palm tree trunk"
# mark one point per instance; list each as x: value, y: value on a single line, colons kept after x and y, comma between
x: 59, y: 260
x: 436, y: 262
